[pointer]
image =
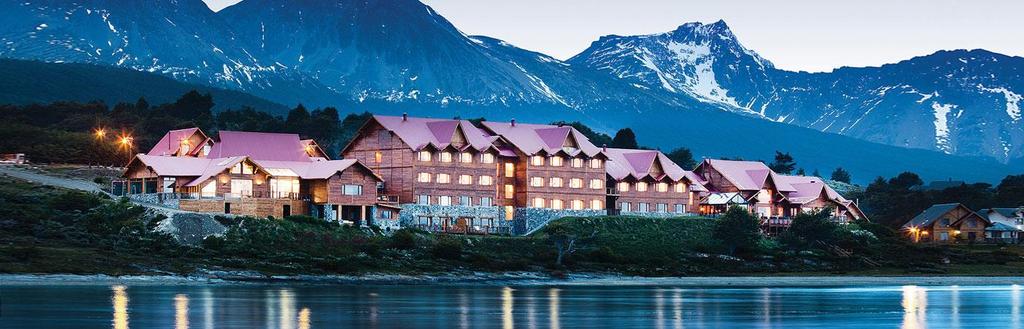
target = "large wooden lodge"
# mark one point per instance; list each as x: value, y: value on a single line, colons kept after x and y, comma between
x: 449, y: 175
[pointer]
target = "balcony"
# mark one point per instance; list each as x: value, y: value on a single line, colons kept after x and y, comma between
x: 388, y: 199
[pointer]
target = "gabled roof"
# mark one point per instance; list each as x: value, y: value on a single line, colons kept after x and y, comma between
x: 809, y: 188
x: 532, y: 139
x: 1006, y: 212
x: 723, y: 199
x: 260, y: 146
x: 933, y: 213
x: 174, y: 166
x: 747, y: 175
x: 419, y: 133
x: 216, y: 167
x: 638, y: 164
x: 312, y: 170
x: 1001, y: 227
x: 171, y: 142
x: 314, y: 148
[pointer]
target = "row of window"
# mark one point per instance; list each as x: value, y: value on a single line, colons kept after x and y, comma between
x: 660, y: 187
x: 447, y: 200
x: 558, y: 161
x: 446, y: 179
x: 446, y: 157
x: 646, y: 207
x: 596, y: 184
x: 559, y: 204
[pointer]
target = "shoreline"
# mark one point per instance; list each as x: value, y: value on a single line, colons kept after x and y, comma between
x: 509, y: 279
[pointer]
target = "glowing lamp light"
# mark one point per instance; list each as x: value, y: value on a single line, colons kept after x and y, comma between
x: 100, y: 133
x: 125, y: 140
x: 924, y: 232
x: 957, y: 232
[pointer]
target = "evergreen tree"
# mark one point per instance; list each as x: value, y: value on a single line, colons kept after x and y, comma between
x: 737, y: 230
x: 800, y: 172
x: 816, y: 173
x: 841, y: 175
x: 682, y: 157
x: 1010, y: 191
x: 595, y: 137
x: 783, y: 164
x: 297, y: 120
x: 624, y: 138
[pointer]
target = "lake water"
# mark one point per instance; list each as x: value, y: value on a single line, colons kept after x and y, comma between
x: 312, y: 306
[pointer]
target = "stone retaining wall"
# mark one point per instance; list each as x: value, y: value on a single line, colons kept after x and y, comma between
x: 528, y: 220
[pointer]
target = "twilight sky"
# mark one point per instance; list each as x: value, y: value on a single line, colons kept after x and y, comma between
x: 812, y: 35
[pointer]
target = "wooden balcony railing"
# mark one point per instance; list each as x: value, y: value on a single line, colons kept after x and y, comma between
x: 389, y: 199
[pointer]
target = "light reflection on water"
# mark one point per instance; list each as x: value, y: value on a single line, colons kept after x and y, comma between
x: 304, y: 307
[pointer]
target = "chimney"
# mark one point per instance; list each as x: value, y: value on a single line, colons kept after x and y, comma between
x: 513, y: 122
x: 604, y: 147
x: 405, y: 116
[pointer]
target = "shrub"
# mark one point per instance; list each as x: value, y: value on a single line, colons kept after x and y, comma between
x: 737, y: 230
x: 447, y: 248
x: 808, y: 228
x: 404, y: 239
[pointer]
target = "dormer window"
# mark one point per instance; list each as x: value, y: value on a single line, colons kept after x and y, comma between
x: 576, y: 163
x: 487, y: 158
x: 446, y: 156
x: 424, y: 156
x: 595, y: 163
x: 556, y: 161
x: 206, y: 150
x: 465, y: 157
x: 537, y: 160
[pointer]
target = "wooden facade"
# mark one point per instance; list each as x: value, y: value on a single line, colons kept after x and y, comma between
x: 945, y: 224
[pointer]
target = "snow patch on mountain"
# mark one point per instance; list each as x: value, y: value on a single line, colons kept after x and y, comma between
x: 942, y: 126
x: 1012, y: 101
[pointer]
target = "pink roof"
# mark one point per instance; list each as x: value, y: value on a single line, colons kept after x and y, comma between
x: 171, y: 141
x: 312, y: 170
x: 175, y: 166
x: 624, y: 163
x: 260, y: 146
x: 532, y: 139
x: 419, y: 133
x: 809, y: 188
x: 748, y: 175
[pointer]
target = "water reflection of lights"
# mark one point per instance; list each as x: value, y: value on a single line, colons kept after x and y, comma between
x: 180, y: 311
x: 286, y: 309
x: 463, y: 310
x: 120, y: 301
x: 207, y: 308
x: 659, y: 312
x: 915, y: 305
x: 304, y: 318
x: 677, y: 309
x: 954, y: 299
x: 506, y: 308
x: 1015, y: 303
x: 554, y: 296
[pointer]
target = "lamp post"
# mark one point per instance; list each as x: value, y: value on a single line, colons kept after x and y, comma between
x: 125, y: 141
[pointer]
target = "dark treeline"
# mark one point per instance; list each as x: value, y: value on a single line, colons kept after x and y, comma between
x: 65, y: 132
x: 894, y: 201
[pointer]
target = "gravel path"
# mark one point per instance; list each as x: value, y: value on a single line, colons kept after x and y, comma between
x: 68, y: 183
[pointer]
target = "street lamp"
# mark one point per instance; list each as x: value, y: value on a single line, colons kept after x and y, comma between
x: 100, y: 133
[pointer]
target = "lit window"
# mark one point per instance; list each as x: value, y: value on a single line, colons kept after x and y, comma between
x: 242, y: 168
x: 510, y: 169
x: 206, y: 149
x: 486, y: 180
x: 577, y: 163
x: 556, y: 204
x: 444, y: 200
x: 510, y: 191
x: 465, y: 157
x: 623, y: 187
x: 538, y: 202
x: 446, y: 157
x: 487, y: 158
x: 424, y: 156
x: 536, y: 181
x: 680, y: 187
x: 465, y: 179
x: 352, y: 190
x: 423, y: 177
x: 596, y: 184
x: 378, y: 157
x: 537, y: 160
x: 556, y: 161
x: 577, y: 204
x: 641, y: 187
x: 596, y: 163
x: 444, y: 178
x: 555, y: 182
x: 662, y: 187
x: 596, y: 204
x: 575, y: 183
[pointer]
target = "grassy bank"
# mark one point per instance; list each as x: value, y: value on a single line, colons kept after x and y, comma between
x: 48, y: 230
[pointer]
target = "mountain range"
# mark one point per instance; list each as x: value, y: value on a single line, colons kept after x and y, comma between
x: 696, y: 86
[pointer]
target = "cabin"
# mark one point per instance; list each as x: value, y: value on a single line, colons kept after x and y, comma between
x: 251, y: 174
x: 441, y: 173
x: 945, y: 224
x: 648, y: 183
x: 761, y: 188
x: 811, y: 194
x: 1007, y: 224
